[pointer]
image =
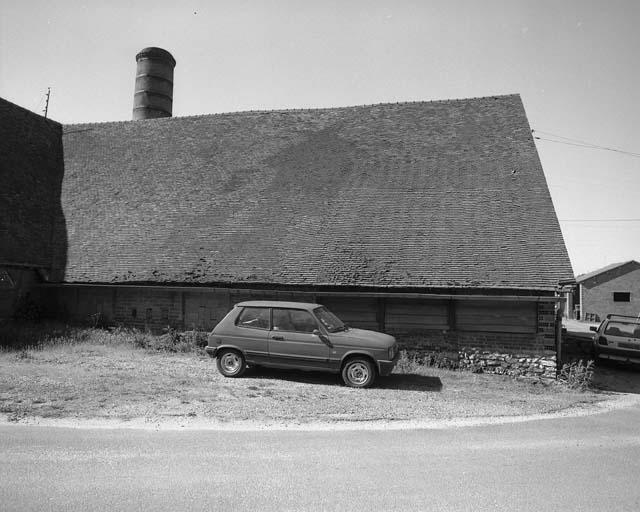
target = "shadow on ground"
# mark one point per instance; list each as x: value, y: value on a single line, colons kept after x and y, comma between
x: 406, y: 382
x: 409, y: 382
x: 618, y: 377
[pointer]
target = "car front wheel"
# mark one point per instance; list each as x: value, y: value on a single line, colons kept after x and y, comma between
x: 231, y: 363
x: 358, y: 373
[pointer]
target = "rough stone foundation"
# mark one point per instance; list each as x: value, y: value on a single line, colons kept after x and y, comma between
x: 525, y: 365
x: 498, y: 353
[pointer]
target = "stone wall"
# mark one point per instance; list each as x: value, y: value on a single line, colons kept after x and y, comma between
x: 541, y: 366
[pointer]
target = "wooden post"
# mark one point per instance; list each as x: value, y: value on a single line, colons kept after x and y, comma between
x: 182, y: 311
x: 381, y: 313
x: 558, y: 317
x: 114, y: 303
x: 451, y: 311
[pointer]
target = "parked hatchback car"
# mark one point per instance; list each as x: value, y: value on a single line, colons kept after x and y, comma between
x: 302, y: 336
x: 618, y: 338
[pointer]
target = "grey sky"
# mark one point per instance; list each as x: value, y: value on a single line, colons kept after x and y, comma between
x: 573, y: 62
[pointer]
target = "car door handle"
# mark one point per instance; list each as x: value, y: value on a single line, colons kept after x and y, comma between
x: 279, y: 338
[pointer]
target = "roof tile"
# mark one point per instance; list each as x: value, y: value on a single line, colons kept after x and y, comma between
x: 424, y: 194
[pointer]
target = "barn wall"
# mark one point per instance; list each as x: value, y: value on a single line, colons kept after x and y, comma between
x: 425, y: 324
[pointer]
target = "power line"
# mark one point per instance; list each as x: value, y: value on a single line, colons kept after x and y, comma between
x: 599, y: 220
x: 565, y: 138
x: 579, y: 143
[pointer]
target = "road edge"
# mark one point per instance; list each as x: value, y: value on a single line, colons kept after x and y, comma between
x: 618, y: 401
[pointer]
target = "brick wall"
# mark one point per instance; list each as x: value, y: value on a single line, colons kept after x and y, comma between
x: 598, y: 298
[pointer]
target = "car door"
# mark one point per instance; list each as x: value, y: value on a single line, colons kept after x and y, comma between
x: 251, y: 333
x: 292, y: 342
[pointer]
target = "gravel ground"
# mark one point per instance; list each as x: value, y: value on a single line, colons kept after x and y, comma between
x: 118, y: 382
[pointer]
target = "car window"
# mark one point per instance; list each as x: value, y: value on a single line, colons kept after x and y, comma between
x: 329, y: 320
x: 630, y: 330
x: 293, y: 320
x: 258, y: 318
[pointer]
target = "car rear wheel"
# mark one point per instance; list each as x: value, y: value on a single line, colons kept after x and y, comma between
x: 231, y: 363
x: 358, y: 373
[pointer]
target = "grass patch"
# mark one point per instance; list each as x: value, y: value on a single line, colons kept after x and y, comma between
x: 68, y: 372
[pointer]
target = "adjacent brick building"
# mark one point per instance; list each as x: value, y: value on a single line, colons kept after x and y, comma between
x: 612, y: 289
x: 32, y: 234
x: 430, y: 220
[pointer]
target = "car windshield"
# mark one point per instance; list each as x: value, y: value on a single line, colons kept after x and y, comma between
x: 628, y: 329
x: 329, y: 320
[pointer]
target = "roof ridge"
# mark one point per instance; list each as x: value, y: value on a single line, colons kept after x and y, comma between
x: 25, y: 109
x: 602, y: 270
x: 307, y: 109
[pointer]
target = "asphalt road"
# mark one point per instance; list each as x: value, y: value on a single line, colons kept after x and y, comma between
x: 587, y: 463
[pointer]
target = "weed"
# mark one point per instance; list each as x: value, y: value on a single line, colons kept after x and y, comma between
x: 408, y: 363
x: 577, y: 375
x: 25, y: 354
x: 413, y: 361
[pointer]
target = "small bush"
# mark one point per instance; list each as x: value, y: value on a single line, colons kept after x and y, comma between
x: 577, y: 375
x: 411, y: 361
x: 26, y: 335
x: 408, y: 363
x: 171, y: 340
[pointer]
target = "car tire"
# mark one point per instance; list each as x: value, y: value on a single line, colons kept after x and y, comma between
x: 231, y: 363
x: 358, y: 372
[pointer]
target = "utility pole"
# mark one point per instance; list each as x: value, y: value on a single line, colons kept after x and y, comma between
x: 46, y: 106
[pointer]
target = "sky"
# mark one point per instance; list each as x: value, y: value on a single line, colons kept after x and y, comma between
x: 574, y: 63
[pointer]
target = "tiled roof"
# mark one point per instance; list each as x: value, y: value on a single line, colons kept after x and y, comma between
x: 427, y: 194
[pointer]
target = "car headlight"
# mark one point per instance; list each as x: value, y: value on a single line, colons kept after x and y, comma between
x: 392, y: 351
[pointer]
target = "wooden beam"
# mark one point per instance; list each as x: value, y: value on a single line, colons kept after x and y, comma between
x: 389, y: 294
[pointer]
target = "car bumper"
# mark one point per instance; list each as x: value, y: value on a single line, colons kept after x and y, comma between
x: 617, y: 354
x: 211, y: 350
x: 386, y: 367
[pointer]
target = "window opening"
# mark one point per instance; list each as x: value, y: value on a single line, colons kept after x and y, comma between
x: 293, y: 320
x: 256, y: 318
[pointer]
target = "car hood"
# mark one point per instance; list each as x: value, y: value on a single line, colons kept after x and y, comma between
x: 362, y: 338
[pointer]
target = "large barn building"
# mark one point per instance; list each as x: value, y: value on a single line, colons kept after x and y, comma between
x: 430, y: 220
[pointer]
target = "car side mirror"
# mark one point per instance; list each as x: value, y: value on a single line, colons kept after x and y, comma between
x: 323, y: 337
x: 593, y: 328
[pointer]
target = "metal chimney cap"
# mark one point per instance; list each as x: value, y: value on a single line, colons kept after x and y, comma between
x: 155, y: 53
